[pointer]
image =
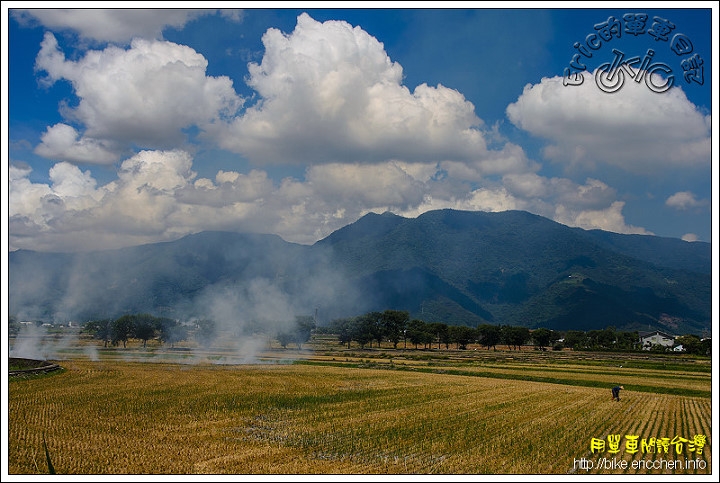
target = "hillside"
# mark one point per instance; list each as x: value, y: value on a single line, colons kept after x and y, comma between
x: 456, y: 267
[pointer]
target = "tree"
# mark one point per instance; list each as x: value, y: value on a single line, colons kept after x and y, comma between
x: 462, y: 335
x: 489, y: 335
x: 706, y: 347
x: 170, y: 331
x: 304, y: 325
x: 100, y: 329
x: 627, y: 341
x: 374, y: 321
x: 343, y: 327
x: 363, y: 330
x: 123, y: 329
x: 607, y: 338
x: 440, y: 333
x: 393, y: 323
x: 427, y: 337
x: 416, y: 332
x: 515, y: 336
x: 576, y: 339
x: 542, y: 336
x: 144, y: 327
x: 691, y: 344
x: 284, y: 337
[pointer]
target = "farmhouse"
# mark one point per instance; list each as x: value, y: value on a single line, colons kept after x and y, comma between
x: 649, y: 339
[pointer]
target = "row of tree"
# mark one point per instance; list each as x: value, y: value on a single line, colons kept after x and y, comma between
x: 143, y: 327
x: 376, y: 327
x: 204, y: 332
x: 395, y: 326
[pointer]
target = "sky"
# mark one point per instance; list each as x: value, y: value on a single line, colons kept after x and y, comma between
x: 127, y: 126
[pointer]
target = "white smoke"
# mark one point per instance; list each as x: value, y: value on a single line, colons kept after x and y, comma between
x: 40, y: 343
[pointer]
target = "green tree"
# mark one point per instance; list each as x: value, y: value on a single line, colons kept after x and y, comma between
x: 542, y: 336
x: 374, y: 321
x: 284, y: 337
x: 489, y: 335
x: 363, y: 329
x: 440, y: 333
x: 627, y: 341
x: 691, y: 344
x: 304, y: 325
x: 123, y: 329
x: 462, y: 335
x: 344, y: 329
x: 515, y: 336
x: 144, y: 328
x: 171, y: 332
x: 416, y: 332
x: 706, y: 347
x: 393, y: 323
x: 576, y: 340
x: 607, y: 338
x: 99, y: 329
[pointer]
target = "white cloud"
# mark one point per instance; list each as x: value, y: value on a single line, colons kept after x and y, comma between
x: 634, y: 128
x: 114, y: 25
x: 329, y: 96
x: 386, y: 184
x: 69, y: 182
x: 609, y: 219
x: 330, y: 93
x: 145, y: 95
x: 684, y: 200
x: 157, y: 197
x: 62, y: 141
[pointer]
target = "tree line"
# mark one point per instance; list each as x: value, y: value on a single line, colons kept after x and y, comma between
x: 395, y: 326
x: 204, y: 332
x: 375, y: 327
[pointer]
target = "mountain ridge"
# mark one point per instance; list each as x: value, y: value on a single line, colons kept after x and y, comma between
x: 458, y: 267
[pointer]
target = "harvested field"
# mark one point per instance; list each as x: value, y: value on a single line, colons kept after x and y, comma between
x: 361, y: 412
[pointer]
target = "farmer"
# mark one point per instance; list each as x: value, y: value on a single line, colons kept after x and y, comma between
x: 616, y: 393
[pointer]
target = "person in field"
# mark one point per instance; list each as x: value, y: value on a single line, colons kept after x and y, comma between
x: 616, y: 393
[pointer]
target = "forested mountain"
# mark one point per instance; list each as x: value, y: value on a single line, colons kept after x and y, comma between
x: 456, y: 267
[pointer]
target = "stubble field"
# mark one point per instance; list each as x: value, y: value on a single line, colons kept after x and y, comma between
x: 332, y: 410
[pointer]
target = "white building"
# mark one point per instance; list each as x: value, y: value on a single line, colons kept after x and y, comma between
x: 649, y: 339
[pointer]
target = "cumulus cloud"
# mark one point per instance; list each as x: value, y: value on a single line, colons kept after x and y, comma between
x: 383, y: 185
x: 62, y: 141
x: 328, y: 96
x: 143, y: 96
x: 633, y: 129
x: 609, y: 219
x: 157, y: 196
x: 685, y: 200
x: 329, y: 93
x: 115, y: 25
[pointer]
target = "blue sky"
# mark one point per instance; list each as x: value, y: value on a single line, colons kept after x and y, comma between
x: 129, y: 126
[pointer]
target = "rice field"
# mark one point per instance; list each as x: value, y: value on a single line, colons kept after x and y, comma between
x: 362, y: 412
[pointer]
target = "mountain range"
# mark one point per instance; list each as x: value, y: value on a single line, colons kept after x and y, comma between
x: 456, y: 267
